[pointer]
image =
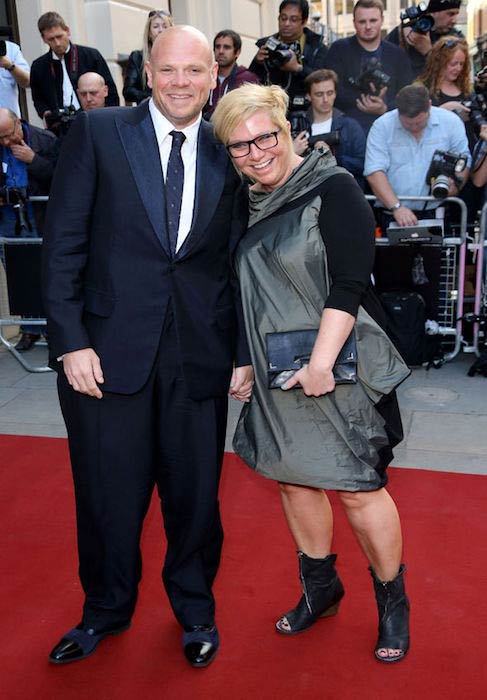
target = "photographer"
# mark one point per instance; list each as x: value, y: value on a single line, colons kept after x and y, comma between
x: 28, y: 159
x: 14, y: 73
x: 396, y: 165
x: 54, y: 76
x: 286, y: 58
x: 370, y: 71
x: 422, y: 26
x: 328, y: 127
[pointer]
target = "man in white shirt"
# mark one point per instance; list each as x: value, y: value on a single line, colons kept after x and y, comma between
x: 54, y: 76
x: 144, y: 311
x: 14, y: 72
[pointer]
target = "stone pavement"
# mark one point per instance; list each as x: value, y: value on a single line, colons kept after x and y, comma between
x: 444, y: 412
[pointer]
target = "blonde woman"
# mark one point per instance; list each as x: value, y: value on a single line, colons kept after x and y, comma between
x: 305, y: 264
x: 135, y: 88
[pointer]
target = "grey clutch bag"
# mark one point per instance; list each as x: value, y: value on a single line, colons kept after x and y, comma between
x: 288, y: 351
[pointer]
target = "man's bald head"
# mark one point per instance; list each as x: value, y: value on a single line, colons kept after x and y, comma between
x: 91, y: 91
x: 185, y: 34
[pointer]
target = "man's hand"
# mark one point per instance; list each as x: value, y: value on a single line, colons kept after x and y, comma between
x: 291, y: 66
x: 300, y: 143
x: 421, y: 42
x: 5, y: 62
x: 241, y: 383
x: 83, y: 371
x: 315, y: 382
x: 372, y: 104
x: 404, y: 216
x: 262, y: 55
x: 23, y: 152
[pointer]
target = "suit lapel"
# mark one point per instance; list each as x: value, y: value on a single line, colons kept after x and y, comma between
x: 211, y: 165
x: 140, y: 144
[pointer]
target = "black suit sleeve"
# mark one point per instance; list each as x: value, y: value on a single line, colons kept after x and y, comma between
x: 348, y: 229
x: 66, y: 239
x: 38, y: 86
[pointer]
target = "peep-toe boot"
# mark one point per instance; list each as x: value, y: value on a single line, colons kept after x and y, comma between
x: 322, y: 593
x: 393, y: 609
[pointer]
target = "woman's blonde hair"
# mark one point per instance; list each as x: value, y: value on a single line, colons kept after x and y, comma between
x: 436, y: 64
x: 147, y: 41
x: 241, y: 104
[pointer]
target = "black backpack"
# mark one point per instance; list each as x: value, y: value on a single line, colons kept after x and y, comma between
x: 405, y: 313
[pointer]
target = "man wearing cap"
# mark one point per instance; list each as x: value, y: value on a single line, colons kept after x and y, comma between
x: 418, y: 45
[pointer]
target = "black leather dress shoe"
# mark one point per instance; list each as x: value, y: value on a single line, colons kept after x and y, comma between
x: 81, y: 642
x: 26, y: 341
x: 200, y: 644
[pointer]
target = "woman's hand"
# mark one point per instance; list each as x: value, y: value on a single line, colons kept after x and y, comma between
x: 314, y: 382
x: 457, y: 107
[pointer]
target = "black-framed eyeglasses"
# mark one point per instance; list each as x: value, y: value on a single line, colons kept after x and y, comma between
x: 152, y: 13
x: 263, y: 143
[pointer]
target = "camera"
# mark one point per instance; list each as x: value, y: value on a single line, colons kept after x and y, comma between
x: 372, y: 79
x: 445, y: 165
x: 332, y: 138
x: 59, y: 120
x: 478, y: 110
x: 417, y: 18
x: 17, y: 198
x: 3, y: 47
x: 279, y: 53
x: 299, y: 122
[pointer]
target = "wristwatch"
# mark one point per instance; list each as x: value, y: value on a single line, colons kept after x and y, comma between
x: 397, y: 205
x: 10, y: 68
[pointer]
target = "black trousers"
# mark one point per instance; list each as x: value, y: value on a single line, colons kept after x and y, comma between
x: 120, y: 447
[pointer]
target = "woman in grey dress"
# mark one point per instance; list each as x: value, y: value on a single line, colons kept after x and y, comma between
x: 305, y: 263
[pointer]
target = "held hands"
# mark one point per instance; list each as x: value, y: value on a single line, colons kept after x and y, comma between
x: 314, y: 381
x: 23, y: 152
x: 83, y: 371
x: 241, y: 383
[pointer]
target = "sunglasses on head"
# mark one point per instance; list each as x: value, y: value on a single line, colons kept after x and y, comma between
x: 450, y: 43
x: 152, y: 13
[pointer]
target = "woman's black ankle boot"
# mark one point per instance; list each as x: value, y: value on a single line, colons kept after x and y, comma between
x: 393, y: 608
x: 322, y: 593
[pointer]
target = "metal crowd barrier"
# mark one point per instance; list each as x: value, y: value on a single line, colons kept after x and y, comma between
x: 480, y: 298
x: 452, y: 281
x: 29, y: 311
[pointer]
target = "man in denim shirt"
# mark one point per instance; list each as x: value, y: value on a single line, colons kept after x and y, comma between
x: 400, y: 147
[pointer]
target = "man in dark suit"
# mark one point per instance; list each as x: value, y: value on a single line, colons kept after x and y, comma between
x: 145, y: 323
x: 54, y: 76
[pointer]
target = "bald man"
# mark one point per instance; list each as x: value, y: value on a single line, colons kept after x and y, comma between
x: 145, y: 331
x: 92, y: 91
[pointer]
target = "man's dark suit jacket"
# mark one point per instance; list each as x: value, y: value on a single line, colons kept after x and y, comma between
x: 46, y: 79
x: 108, y: 274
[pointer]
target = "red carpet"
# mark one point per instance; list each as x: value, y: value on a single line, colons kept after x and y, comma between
x: 445, y: 527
